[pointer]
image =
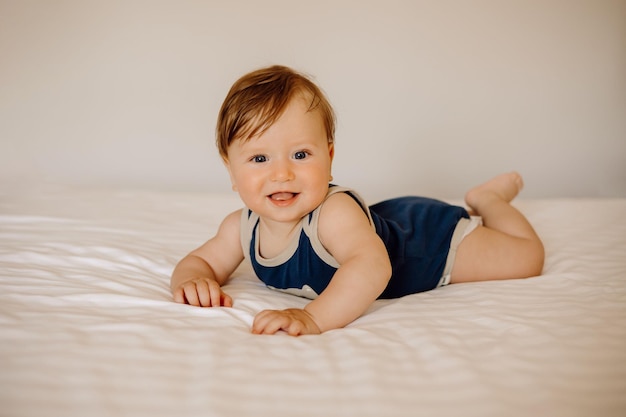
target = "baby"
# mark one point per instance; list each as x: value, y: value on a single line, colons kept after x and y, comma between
x: 305, y: 236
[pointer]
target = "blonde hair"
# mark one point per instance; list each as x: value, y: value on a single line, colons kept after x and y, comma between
x: 258, y: 99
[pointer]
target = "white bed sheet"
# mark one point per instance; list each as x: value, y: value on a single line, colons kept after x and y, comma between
x: 88, y: 326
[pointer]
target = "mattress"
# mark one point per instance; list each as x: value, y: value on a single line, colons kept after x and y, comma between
x: 88, y: 326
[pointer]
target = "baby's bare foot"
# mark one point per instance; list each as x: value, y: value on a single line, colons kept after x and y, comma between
x: 504, y: 187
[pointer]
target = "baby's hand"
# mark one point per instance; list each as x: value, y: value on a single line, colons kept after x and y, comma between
x: 202, y: 292
x: 294, y: 321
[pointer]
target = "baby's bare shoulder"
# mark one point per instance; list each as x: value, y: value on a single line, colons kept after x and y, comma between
x: 231, y: 223
x: 341, y: 212
x: 346, y: 232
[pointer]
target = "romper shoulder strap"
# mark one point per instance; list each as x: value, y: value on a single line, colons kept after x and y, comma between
x: 311, y: 226
x: 249, y: 219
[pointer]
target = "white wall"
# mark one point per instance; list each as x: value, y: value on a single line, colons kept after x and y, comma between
x: 432, y: 96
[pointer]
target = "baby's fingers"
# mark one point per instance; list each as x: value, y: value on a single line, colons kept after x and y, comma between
x: 210, y: 294
x: 202, y: 293
x: 226, y: 300
x: 295, y: 328
x: 191, y: 294
x: 269, y: 322
x: 179, y: 295
x: 294, y: 321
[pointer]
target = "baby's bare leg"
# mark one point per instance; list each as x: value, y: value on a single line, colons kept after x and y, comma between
x: 507, y: 246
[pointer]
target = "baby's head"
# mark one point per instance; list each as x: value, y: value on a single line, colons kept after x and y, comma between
x: 258, y: 99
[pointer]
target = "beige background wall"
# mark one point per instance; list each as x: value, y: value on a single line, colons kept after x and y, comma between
x: 431, y: 96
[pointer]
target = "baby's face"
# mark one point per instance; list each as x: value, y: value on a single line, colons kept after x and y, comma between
x: 283, y: 174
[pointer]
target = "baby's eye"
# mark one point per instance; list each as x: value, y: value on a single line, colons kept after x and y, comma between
x: 259, y: 158
x: 300, y: 155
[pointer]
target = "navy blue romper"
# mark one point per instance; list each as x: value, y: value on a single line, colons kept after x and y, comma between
x: 416, y: 231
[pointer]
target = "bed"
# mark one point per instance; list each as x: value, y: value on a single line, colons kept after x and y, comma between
x: 89, y: 327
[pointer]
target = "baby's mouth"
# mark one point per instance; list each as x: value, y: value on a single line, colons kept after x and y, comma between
x: 282, y: 196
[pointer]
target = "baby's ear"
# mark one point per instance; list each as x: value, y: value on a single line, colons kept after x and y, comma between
x: 331, y: 150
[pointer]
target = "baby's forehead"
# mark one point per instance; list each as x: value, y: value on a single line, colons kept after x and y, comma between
x: 263, y: 119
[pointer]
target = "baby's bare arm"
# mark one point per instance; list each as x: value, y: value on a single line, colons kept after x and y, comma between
x: 198, y: 277
x: 365, y: 270
x: 365, y: 266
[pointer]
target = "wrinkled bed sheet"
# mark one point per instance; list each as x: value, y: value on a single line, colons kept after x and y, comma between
x: 88, y: 326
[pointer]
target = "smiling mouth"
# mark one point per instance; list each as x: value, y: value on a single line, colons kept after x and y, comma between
x: 282, y: 196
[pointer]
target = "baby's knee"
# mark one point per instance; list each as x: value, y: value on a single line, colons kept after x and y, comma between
x: 535, y: 258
